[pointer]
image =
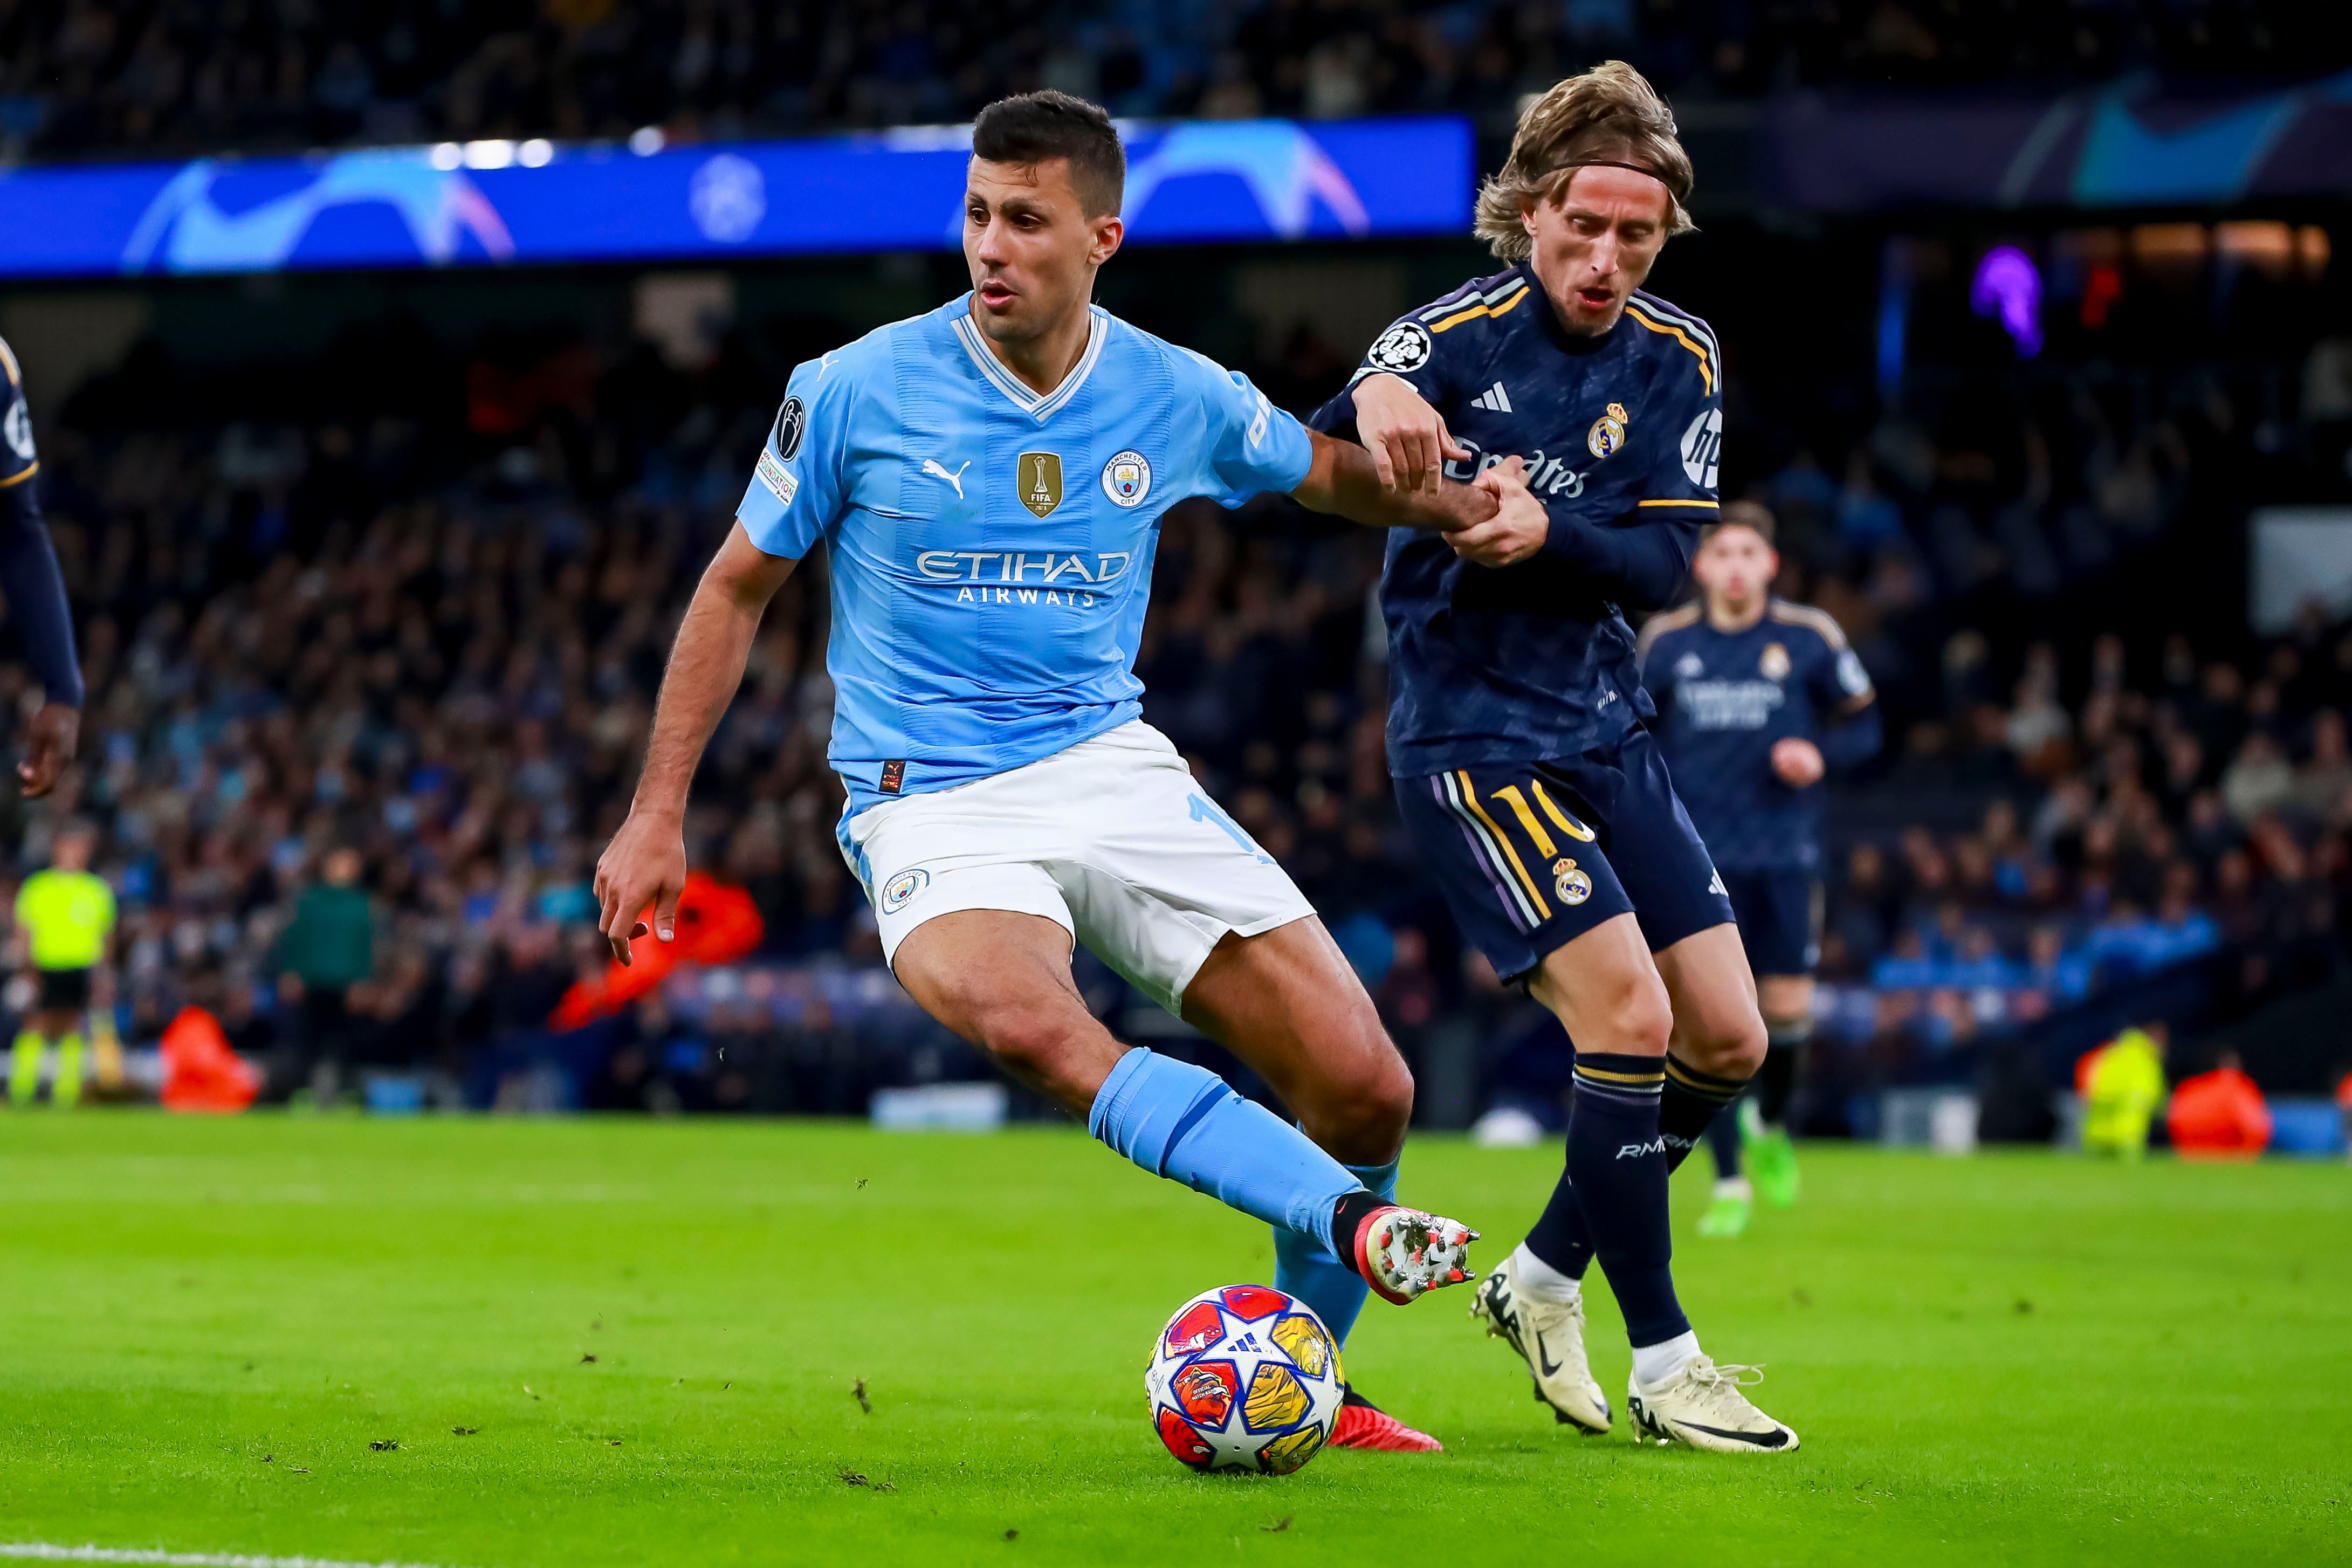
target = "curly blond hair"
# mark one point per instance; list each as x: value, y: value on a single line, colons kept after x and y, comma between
x: 1611, y: 114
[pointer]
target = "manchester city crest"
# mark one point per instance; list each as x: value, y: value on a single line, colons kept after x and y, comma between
x: 1572, y: 885
x: 1774, y: 663
x: 903, y: 886
x: 1127, y: 479
x: 1608, y: 432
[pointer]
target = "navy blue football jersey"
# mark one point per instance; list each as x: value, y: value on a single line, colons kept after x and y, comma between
x: 18, y: 462
x: 1620, y: 434
x: 1724, y: 698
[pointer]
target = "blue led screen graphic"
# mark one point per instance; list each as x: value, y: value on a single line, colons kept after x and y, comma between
x: 422, y: 207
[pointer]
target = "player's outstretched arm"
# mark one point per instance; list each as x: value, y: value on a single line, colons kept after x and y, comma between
x: 646, y: 862
x: 1344, y: 482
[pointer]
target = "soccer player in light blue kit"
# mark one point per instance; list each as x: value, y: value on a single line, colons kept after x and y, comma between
x: 987, y: 481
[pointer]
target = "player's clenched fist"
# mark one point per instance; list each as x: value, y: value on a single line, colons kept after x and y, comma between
x: 1407, y: 437
x: 644, y: 864
x: 1518, y: 528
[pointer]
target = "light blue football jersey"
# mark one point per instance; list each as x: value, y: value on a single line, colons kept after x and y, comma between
x: 990, y: 549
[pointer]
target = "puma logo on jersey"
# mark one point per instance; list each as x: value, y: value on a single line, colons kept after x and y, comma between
x: 1495, y: 400
x: 931, y: 467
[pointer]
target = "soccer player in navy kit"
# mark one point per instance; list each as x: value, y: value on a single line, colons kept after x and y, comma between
x: 36, y: 594
x: 1757, y: 700
x: 1517, y: 733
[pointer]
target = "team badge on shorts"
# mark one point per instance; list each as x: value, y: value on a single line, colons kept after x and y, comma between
x: 1127, y: 479
x: 1608, y: 432
x: 1774, y: 664
x: 1572, y: 885
x: 1039, y: 480
x: 901, y: 889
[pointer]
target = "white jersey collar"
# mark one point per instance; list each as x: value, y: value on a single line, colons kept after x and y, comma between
x: 1039, y: 406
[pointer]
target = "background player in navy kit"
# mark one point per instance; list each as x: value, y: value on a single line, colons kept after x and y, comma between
x: 1756, y: 699
x: 36, y: 594
x: 1516, y: 732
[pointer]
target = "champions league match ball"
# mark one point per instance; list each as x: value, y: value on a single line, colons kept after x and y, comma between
x: 1245, y: 1377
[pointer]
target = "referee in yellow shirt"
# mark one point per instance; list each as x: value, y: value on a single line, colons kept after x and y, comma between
x: 66, y: 914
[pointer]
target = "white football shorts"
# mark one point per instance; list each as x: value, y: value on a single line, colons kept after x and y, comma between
x: 1112, y: 839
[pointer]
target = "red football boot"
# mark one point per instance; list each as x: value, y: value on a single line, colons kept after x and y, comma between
x: 1364, y: 1425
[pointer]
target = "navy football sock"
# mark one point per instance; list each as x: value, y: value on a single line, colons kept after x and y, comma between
x: 1558, y: 1236
x: 1723, y: 1142
x: 1687, y: 1107
x: 1617, y: 1161
x: 1784, y: 1059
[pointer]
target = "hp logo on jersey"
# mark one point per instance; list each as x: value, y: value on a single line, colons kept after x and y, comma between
x: 1703, y: 448
x: 1127, y: 479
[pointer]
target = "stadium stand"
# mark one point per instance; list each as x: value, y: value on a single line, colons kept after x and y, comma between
x: 82, y: 78
x: 426, y: 619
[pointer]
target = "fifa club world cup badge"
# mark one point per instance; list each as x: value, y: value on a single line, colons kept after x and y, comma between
x: 1572, y: 885
x: 1038, y: 478
x: 1774, y: 663
x: 1127, y: 479
x: 1608, y: 432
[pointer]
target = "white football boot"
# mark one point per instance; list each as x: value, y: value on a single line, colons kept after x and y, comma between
x: 1550, y: 1335
x: 1702, y: 1406
x: 1405, y: 1253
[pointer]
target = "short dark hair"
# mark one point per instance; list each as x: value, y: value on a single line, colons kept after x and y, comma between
x: 1034, y: 127
x: 1753, y: 515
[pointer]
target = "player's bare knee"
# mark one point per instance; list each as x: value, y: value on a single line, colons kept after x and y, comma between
x: 1364, y: 1128
x: 1027, y: 1040
x: 1731, y: 1047
x: 1639, y: 1017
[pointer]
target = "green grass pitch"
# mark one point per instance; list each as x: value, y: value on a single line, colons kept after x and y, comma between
x: 654, y: 1332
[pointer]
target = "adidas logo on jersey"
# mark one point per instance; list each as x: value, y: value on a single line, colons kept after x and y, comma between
x: 1495, y: 400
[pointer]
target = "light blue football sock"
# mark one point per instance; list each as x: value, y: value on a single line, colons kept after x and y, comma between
x: 1187, y: 1124
x: 1310, y: 1270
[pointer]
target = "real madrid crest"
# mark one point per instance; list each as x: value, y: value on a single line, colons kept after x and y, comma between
x: 1608, y: 432
x: 1774, y: 664
x: 1572, y: 885
x: 1127, y: 479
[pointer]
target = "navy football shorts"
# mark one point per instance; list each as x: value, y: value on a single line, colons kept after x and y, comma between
x: 1780, y: 919
x: 1533, y: 855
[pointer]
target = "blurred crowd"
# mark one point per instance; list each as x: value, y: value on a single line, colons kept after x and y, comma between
x: 369, y: 669
x: 84, y: 77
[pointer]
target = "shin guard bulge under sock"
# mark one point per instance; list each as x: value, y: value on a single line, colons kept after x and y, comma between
x: 1617, y: 1160
x: 1186, y: 1123
x: 1689, y: 1104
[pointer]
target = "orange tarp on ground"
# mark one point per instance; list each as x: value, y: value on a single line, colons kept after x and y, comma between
x: 716, y: 924
x: 2218, y: 1115
x: 200, y: 1071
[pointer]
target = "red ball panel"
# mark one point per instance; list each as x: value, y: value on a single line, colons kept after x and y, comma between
x: 1252, y: 1300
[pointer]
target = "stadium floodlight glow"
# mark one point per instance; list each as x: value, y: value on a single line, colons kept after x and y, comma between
x: 647, y: 140
x: 2008, y: 285
x: 447, y: 155
x: 492, y: 154
x: 536, y: 154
